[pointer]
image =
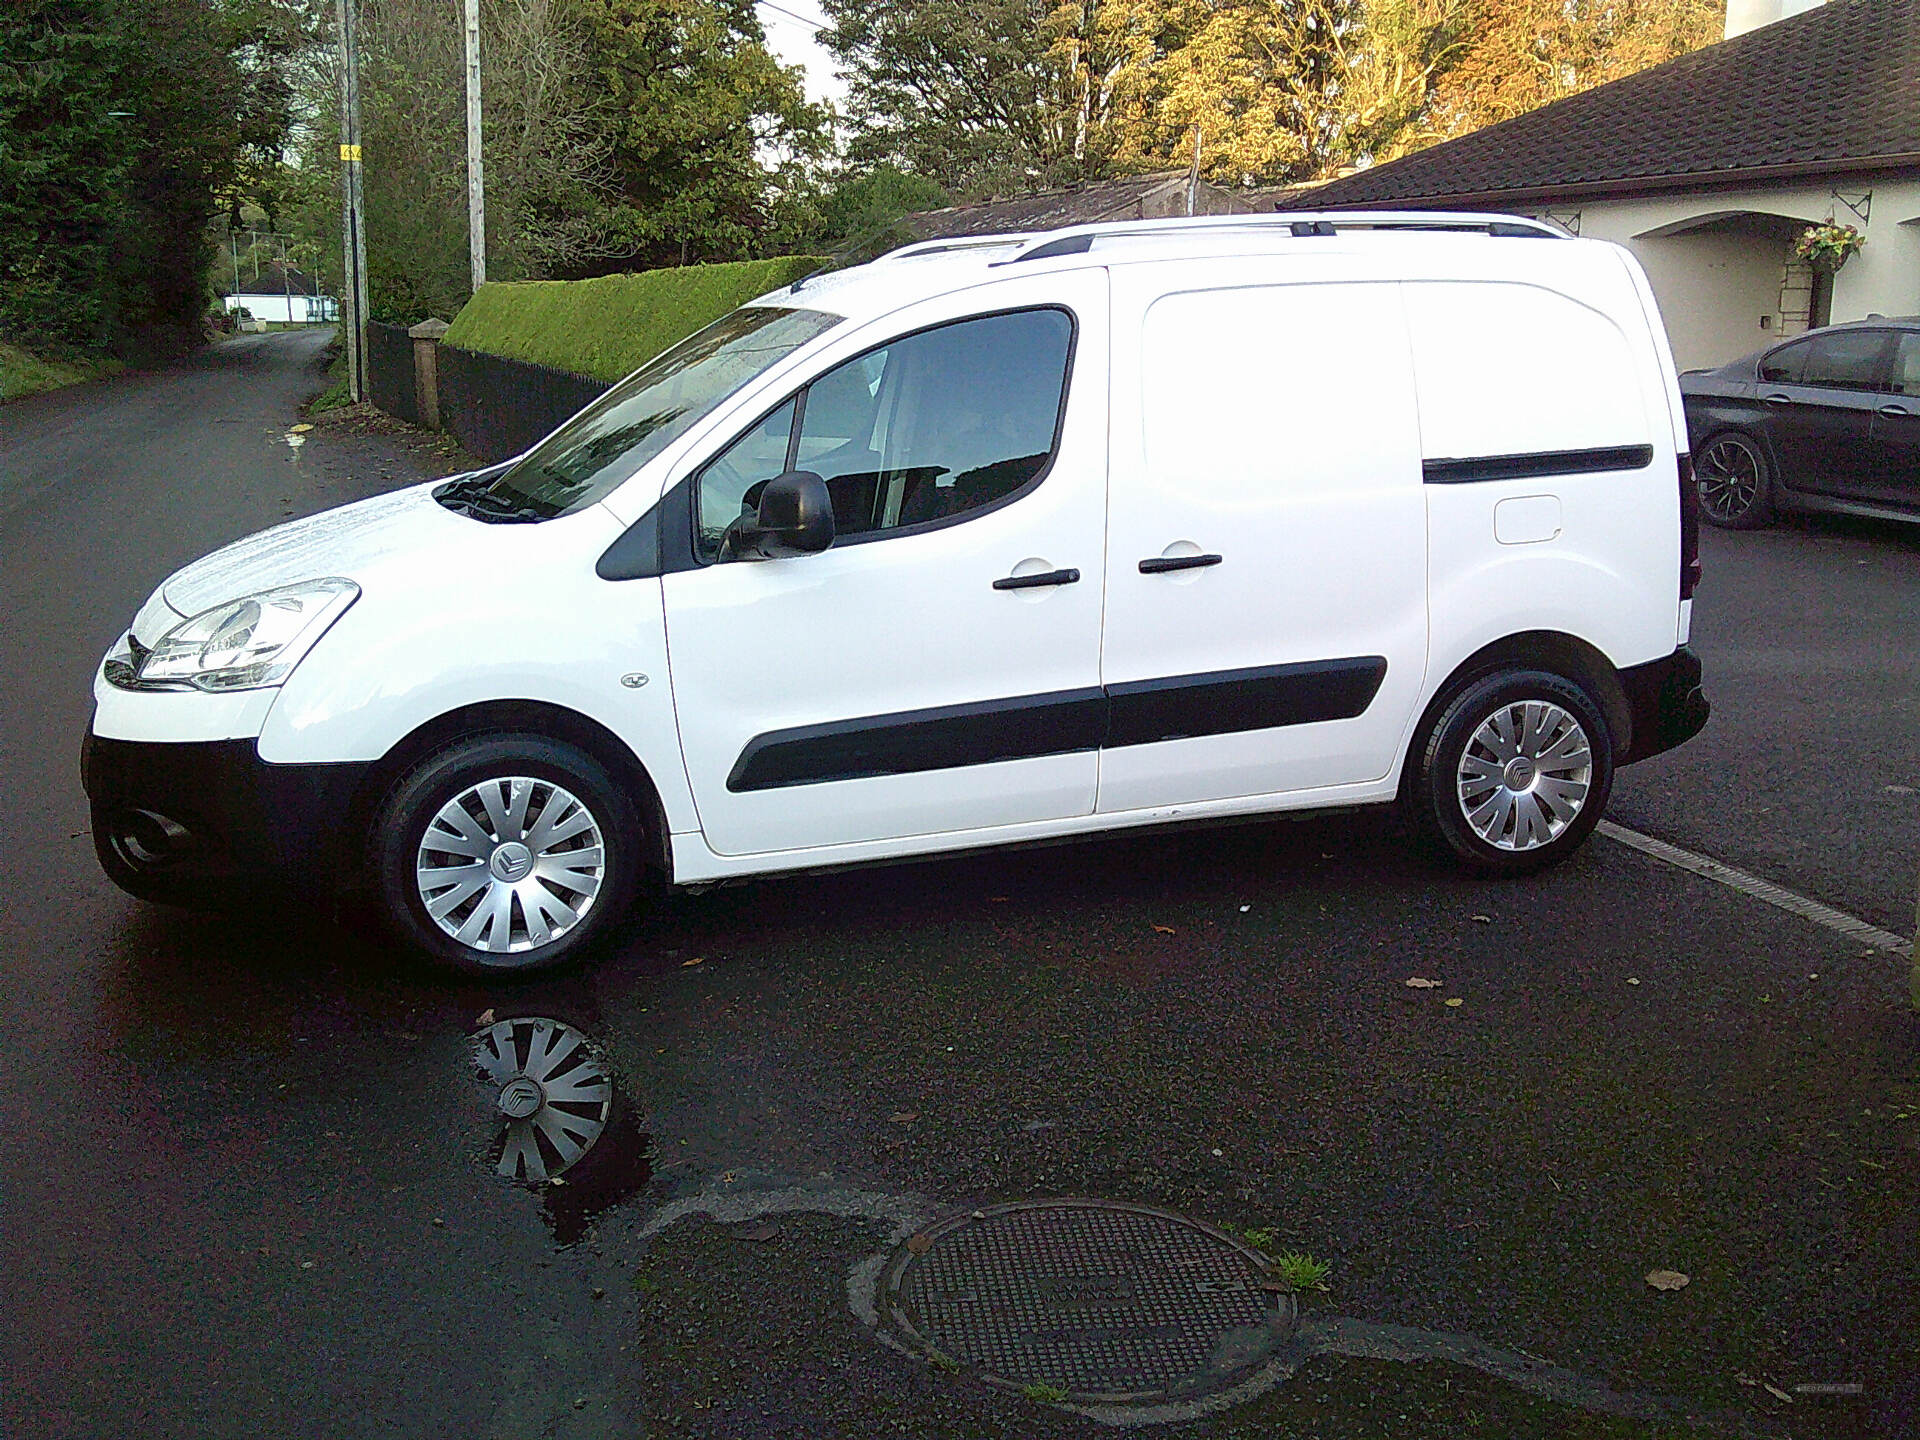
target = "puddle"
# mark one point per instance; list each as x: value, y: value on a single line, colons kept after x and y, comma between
x: 561, y: 1126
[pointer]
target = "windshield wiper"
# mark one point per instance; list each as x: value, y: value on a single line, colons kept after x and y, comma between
x: 474, y: 497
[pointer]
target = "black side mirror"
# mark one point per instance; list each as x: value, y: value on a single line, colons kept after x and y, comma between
x: 795, y: 518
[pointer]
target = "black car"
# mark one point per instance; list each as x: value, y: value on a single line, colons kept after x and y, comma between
x: 1829, y: 420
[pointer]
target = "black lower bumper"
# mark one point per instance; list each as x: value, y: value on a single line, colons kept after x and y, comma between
x: 1666, y: 703
x: 194, y: 823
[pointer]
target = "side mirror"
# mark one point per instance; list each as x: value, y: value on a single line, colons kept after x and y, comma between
x: 795, y: 517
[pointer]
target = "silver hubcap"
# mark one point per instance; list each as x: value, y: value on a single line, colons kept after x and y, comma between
x: 1525, y: 775
x: 554, y: 1094
x: 509, y: 865
x: 1729, y: 478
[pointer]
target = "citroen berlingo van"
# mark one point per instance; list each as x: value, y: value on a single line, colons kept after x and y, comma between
x: 988, y: 541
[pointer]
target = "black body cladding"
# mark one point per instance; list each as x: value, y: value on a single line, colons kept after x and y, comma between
x: 1060, y: 723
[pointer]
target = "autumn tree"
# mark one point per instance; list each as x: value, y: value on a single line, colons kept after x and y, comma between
x: 1517, y: 55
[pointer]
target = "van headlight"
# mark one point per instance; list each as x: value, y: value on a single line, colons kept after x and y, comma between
x: 245, y: 644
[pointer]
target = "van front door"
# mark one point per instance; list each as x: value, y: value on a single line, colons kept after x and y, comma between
x: 937, y: 669
x: 1266, y: 622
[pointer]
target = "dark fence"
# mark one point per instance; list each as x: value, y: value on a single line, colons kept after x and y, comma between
x: 390, y: 371
x: 497, y: 408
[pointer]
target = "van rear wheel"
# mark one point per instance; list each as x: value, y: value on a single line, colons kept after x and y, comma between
x: 1515, y: 772
x: 506, y: 853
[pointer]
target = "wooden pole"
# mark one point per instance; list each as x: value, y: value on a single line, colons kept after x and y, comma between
x: 476, y: 168
x: 352, y: 218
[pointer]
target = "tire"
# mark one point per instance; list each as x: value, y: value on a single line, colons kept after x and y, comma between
x: 1734, y: 481
x: 1457, y: 785
x: 491, y: 892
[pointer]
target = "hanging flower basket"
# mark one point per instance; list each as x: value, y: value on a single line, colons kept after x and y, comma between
x: 1826, y: 247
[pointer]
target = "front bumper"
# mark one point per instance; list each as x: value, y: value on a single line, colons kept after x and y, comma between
x: 199, y: 822
x: 1665, y: 702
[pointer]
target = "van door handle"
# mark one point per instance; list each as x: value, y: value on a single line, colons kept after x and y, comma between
x: 1160, y: 564
x: 1034, y: 582
x: 1778, y: 399
x: 1895, y: 412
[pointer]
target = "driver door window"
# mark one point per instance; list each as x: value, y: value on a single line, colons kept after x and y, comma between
x: 928, y: 427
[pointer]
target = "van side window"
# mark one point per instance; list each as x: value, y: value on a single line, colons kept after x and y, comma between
x: 1845, y: 359
x: 925, y: 428
x: 1786, y: 365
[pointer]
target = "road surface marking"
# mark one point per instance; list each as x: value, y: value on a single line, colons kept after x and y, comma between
x: 1836, y: 920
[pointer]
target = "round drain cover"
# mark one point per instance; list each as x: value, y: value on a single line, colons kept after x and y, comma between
x: 1098, y: 1301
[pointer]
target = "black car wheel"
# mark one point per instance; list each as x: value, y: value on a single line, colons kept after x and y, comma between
x: 506, y: 853
x: 1731, y: 474
x: 1514, y: 773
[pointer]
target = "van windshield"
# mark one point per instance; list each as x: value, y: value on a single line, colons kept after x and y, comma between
x: 584, y: 460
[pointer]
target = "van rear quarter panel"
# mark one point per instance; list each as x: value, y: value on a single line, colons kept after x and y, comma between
x: 1559, y: 360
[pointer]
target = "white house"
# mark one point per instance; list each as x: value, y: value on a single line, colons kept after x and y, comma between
x: 280, y: 292
x: 1710, y: 166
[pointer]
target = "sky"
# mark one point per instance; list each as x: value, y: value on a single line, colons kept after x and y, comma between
x: 790, y: 25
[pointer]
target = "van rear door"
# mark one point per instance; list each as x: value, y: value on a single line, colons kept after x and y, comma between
x: 1266, y: 588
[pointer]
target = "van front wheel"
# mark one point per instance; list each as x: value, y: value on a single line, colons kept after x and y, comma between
x: 1515, y: 772
x: 506, y: 853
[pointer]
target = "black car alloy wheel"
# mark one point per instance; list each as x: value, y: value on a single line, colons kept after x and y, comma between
x: 1731, y: 474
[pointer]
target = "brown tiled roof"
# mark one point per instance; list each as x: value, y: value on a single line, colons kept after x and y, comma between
x: 1834, y: 89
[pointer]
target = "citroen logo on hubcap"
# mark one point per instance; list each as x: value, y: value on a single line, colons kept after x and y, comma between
x: 511, y: 862
x: 520, y: 1097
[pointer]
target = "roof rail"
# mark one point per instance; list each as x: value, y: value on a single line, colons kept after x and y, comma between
x: 1301, y: 223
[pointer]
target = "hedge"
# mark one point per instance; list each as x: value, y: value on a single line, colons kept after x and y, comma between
x: 608, y: 327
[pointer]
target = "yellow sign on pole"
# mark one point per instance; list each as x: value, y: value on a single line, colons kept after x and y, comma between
x: 350, y: 152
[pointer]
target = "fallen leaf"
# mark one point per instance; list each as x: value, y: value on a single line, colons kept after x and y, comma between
x: 903, y: 1117
x: 1245, y: 908
x: 298, y: 429
x: 998, y: 899
x: 1416, y: 982
x: 1166, y: 930
x: 1483, y: 919
x: 486, y: 1017
x: 1667, y: 1279
x: 1633, y: 980
x: 696, y: 960
x: 920, y: 1244
x: 1776, y: 1392
x: 1454, y: 1002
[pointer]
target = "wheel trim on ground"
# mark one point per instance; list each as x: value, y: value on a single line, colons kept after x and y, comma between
x: 1525, y: 775
x: 1728, y: 475
x: 554, y: 1094
x: 510, y: 864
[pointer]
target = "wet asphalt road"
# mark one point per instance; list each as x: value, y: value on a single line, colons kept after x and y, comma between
x: 245, y: 1187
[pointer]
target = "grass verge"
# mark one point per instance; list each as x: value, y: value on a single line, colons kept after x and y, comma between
x: 23, y: 373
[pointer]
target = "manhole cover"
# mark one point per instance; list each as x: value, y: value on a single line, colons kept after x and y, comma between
x: 1098, y: 1301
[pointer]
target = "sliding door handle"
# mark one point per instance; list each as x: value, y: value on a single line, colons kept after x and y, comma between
x: 1896, y: 412
x: 1034, y: 582
x: 1160, y: 564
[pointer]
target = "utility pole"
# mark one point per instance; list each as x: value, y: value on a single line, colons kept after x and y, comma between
x: 476, y: 169
x: 352, y: 215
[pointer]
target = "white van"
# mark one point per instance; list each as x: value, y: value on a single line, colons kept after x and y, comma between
x: 988, y: 541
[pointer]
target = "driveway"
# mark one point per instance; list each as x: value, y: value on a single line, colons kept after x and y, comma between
x: 250, y: 1179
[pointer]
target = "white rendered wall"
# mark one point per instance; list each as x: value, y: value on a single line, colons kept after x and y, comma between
x: 1714, y: 287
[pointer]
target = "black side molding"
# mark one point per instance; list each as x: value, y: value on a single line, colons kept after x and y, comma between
x: 1060, y: 722
x: 1144, y: 712
x: 1057, y: 723
x: 1539, y: 462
